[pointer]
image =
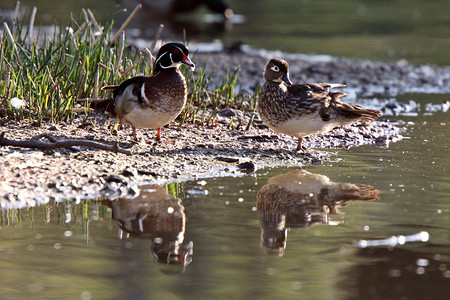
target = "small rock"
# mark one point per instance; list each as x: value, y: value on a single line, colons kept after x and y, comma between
x: 382, y: 141
x: 84, y: 125
x: 115, y: 178
x: 226, y: 112
x: 259, y: 124
x: 246, y: 167
x: 51, y: 185
x: 316, y: 161
x: 227, y: 159
x: 259, y: 138
x: 148, y: 173
x: 17, y: 103
x: 127, y: 173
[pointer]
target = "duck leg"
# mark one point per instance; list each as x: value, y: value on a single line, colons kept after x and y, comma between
x: 299, y: 145
x: 134, y: 132
x: 158, y: 134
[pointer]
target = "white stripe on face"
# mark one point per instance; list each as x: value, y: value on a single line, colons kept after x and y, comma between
x: 143, y: 94
x: 156, y: 62
x: 172, y: 65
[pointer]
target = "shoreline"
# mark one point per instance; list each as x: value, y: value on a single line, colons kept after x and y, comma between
x: 31, y: 177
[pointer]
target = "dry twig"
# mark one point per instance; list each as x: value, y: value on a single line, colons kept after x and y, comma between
x: 125, y: 24
x: 30, y: 28
x: 55, y: 143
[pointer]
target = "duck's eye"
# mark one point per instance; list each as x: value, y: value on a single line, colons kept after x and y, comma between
x: 176, y: 51
x: 275, y: 69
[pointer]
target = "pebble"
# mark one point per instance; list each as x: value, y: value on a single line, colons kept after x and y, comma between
x: 227, y: 159
x: 226, y: 112
x: 247, y: 167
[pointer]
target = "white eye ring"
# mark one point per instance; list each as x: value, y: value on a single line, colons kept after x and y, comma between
x: 275, y: 69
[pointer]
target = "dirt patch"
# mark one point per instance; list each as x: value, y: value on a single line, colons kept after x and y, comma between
x: 30, y: 177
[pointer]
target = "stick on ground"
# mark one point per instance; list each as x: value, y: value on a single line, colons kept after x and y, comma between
x: 55, y: 143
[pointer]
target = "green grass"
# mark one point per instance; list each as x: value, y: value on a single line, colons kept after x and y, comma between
x: 51, y: 72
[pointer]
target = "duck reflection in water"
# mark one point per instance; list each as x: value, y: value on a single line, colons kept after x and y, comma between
x: 299, y: 199
x: 158, y: 216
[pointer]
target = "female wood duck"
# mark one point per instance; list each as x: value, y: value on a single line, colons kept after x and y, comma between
x: 302, y: 109
x: 299, y: 199
x: 153, y: 101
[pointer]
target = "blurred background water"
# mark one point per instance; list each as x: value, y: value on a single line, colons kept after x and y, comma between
x: 388, y: 30
x: 262, y: 235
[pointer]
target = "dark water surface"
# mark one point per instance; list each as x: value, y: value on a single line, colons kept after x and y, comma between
x: 280, y: 233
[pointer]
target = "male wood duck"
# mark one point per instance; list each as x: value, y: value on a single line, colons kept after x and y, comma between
x: 153, y: 101
x: 160, y: 217
x: 302, y: 109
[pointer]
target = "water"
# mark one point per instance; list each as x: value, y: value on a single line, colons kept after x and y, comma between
x: 415, y: 30
x: 389, y: 30
x: 260, y: 236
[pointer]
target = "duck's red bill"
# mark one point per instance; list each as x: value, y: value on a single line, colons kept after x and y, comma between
x: 188, y: 62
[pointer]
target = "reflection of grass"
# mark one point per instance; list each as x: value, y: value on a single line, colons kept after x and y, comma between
x: 64, y: 212
x: 175, y: 189
x: 51, y: 71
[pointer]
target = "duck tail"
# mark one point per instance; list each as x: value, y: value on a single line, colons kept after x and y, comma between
x: 368, y: 192
x: 365, y: 115
x: 109, y: 104
x: 353, y: 111
x: 370, y: 115
x: 109, y: 87
x: 352, y: 192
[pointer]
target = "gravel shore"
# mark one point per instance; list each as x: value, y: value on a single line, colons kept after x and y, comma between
x: 30, y: 177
